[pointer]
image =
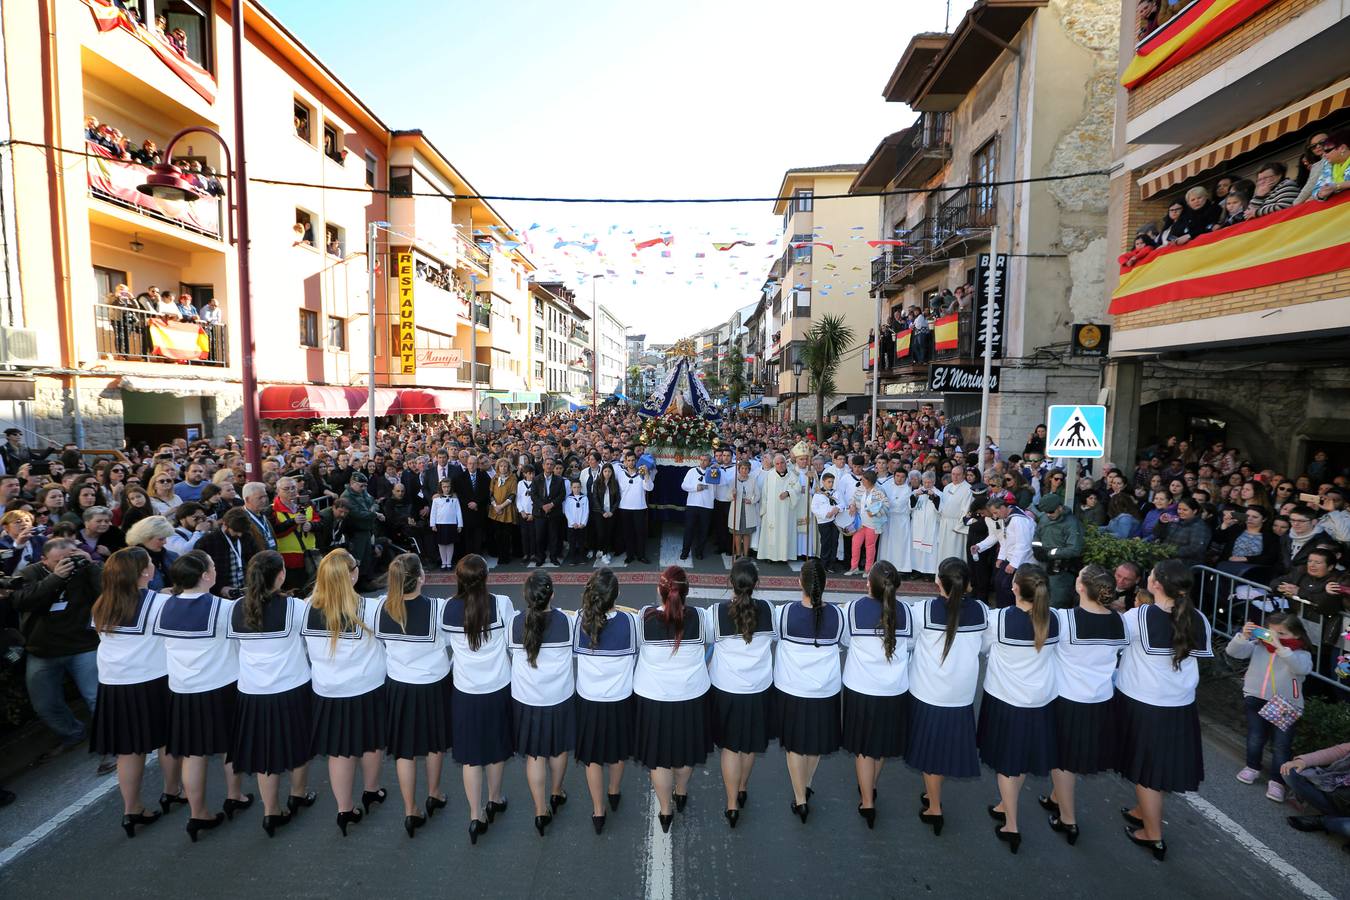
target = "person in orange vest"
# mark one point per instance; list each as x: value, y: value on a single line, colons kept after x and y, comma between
x: 293, y: 526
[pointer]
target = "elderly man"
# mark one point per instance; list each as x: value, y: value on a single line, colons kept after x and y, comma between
x: 781, y: 493
x: 952, y: 511
x: 293, y: 525
x: 258, y: 507
x: 1014, y: 545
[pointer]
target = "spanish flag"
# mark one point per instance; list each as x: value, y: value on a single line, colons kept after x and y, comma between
x: 902, y: 343
x: 179, y: 340
x: 1186, y: 35
x: 1305, y: 240
x: 945, y: 333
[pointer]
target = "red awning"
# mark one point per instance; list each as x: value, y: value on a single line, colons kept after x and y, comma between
x: 304, y: 401
x: 429, y: 402
x: 385, y: 401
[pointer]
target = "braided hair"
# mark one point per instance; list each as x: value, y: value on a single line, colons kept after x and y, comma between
x: 673, y: 588
x: 744, y: 578
x: 538, y: 595
x: 882, y: 582
x: 813, y: 586
x: 597, y: 599
x: 1099, y: 585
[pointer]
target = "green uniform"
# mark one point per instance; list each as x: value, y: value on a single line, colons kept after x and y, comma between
x: 1062, y: 548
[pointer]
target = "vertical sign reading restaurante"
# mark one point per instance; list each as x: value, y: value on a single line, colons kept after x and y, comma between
x: 406, y: 333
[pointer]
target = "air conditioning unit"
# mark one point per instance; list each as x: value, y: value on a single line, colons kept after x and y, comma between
x: 18, y: 346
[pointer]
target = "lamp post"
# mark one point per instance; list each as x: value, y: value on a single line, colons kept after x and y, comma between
x: 796, y: 387
x: 370, y: 397
x: 595, y: 342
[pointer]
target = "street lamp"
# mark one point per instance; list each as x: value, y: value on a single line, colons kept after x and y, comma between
x: 796, y: 387
x: 595, y: 342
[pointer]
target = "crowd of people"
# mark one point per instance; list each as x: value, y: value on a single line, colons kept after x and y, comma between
x: 569, y: 488
x: 918, y: 320
x: 148, y: 154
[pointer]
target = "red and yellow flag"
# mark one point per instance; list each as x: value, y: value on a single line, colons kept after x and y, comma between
x: 945, y: 333
x: 1309, y: 239
x: 902, y: 343
x: 1186, y: 35
x: 178, y: 340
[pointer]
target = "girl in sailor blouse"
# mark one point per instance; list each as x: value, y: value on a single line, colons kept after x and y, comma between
x: 131, y: 717
x: 1016, y: 732
x: 943, y: 674
x: 1091, y: 638
x: 1155, y: 685
x: 542, y: 713
x: 273, y: 733
x: 876, y: 681
x: 203, y: 676
x: 742, y: 682
x: 475, y: 622
x: 418, y: 685
x: 606, y: 647
x: 351, y: 703
x: 807, y: 677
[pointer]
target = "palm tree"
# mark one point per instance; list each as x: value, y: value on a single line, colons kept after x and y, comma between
x: 826, y: 343
x: 735, y: 375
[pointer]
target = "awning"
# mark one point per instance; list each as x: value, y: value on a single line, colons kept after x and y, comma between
x: 752, y: 402
x: 429, y: 402
x: 1288, y: 120
x: 974, y: 46
x: 182, y: 387
x: 306, y: 401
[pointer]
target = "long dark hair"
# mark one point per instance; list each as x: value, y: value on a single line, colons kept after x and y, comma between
x: 1033, y: 586
x: 881, y: 584
x: 813, y: 586
x: 954, y: 577
x: 259, y: 579
x: 400, y: 584
x: 187, y: 570
x: 538, y: 596
x: 116, y: 603
x: 598, y: 485
x: 1174, y: 577
x: 597, y: 599
x: 673, y: 588
x: 471, y: 581
x: 744, y: 578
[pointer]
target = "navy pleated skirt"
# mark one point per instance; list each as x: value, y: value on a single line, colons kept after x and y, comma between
x: 942, y: 740
x: 875, y: 727
x: 202, y: 724
x: 1087, y: 736
x: 544, y: 730
x: 419, y: 718
x: 273, y: 731
x: 671, y: 734
x: 350, y: 726
x: 1016, y: 740
x: 604, y: 731
x: 481, y: 724
x: 742, y: 722
x: 808, y: 725
x: 1159, y: 745
x: 131, y: 718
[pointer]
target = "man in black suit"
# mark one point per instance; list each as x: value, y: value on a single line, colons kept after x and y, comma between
x: 440, y: 469
x: 548, y: 491
x: 230, y: 546
x: 471, y: 487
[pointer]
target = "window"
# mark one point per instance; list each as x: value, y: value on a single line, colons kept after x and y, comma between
x: 801, y: 255
x: 304, y: 229
x: 303, y: 122
x: 400, y: 181
x: 801, y: 304
x: 337, y: 333
x: 188, y: 23
x: 309, y: 328
x: 332, y: 143
x: 334, y: 240
x: 802, y: 200
x: 538, y: 338
x: 106, y: 282
x: 984, y: 171
x: 371, y: 164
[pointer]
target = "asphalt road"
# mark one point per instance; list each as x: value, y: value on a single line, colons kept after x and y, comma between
x: 62, y: 839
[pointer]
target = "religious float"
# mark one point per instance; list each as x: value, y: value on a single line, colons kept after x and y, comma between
x: 680, y: 429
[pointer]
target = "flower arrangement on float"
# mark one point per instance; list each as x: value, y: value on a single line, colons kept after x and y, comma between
x: 679, y: 435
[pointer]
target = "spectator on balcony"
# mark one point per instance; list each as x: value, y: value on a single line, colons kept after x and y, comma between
x: 186, y: 311
x: 919, y: 339
x: 91, y: 127
x: 1221, y: 189
x: 1235, y: 204
x: 213, y: 185
x: 1171, y: 223
x: 1274, y: 191
x: 147, y: 154
x: 178, y: 41
x: 1143, y: 248
x: 1310, y: 165
x: 165, y: 305
x: 162, y: 27
x: 1146, y: 20
x: 1334, y: 176
x: 209, y: 314
x: 1199, y: 216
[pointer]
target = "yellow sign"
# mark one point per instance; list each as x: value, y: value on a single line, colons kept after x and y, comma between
x: 406, y: 330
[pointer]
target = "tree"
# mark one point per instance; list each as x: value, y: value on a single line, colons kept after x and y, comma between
x: 735, y: 375
x: 634, y: 383
x: 711, y: 384
x: 825, y: 345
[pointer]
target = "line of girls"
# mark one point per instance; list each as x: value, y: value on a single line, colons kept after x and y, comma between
x: 271, y: 681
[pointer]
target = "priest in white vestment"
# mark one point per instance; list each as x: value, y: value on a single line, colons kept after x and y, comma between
x: 780, y: 495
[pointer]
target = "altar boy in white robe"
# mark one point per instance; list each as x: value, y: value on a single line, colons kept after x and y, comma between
x: 924, y: 504
x: 895, y: 545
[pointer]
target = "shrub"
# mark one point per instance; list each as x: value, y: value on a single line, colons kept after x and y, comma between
x: 1110, y: 551
x: 1324, y: 724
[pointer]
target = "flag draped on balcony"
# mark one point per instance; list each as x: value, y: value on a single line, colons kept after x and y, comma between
x: 178, y: 340
x: 945, y: 332
x: 1186, y: 35
x: 107, y: 17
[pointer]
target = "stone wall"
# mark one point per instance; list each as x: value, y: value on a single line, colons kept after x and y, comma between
x: 1025, y: 392
x: 100, y: 411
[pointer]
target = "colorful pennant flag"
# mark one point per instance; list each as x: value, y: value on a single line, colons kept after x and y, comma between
x: 667, y: 240
x: 727, y: 245
x: 886, y: 243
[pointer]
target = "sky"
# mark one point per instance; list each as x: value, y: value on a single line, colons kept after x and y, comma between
x: 611, y: 98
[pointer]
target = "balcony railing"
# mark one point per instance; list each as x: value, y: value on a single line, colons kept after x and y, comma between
x: 116, y: 181
x: 470, y: 251
x: 925, y: 149
x: 579, y: 334
x: 482, y: 315
x: 923, y: 350
x: 475, y: 373
x: 968, y: 213
x: 133, y: 334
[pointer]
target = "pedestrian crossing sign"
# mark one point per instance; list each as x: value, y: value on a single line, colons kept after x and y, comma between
x: 1076, y: 432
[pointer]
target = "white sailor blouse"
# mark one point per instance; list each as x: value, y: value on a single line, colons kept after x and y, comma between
x: 487, y: 669
x: 738, y: 667
x: 272, y: 657
x: 130, y: 652
x: 548, y: 682
x: 1088, y: 649
x: 807, y: 663
x: 353, y: 667
x: 414, y: 652
x: 1146, y: 673
x: 1018, y: 673
x: 867, y: 670
x: 605, y: 667
x: 199, y: 655
x: 949, y: 682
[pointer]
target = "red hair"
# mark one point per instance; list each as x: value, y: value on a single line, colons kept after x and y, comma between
x: 673, y: 587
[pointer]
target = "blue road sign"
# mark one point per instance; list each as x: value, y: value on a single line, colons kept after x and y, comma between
x: 1076, y: 432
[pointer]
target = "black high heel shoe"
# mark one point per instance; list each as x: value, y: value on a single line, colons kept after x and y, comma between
x: 233, y: 806
x: 129, y: 822
x: 1159, y: 848
x: 555, y: 801
x: 196, y: 825
x: 997, y: 815
x: 412, y: 823
x: 541, y: 822
x: 435, y: 803
x: 869, y: 815
x: 741, y: 797
x: 493, y: 807
x: 272, y: 823
x: 1131, y: 819
x: 168, y: 801
x: 371, y: 797
x: 665, y: 822
x: 475, y: 829
x: 350, y: 817
x: 733, y: 816
x: 1012, y: 838
x: 598, y: 822
x: 935, y: 821
x: 1048, y: 805
x: 296, y: 802
x: 681, y: 800
x: 801, y: 811
x: 1070, y: 832
x: 614, y: 802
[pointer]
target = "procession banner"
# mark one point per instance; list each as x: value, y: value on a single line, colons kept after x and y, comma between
x: 1186, y: 35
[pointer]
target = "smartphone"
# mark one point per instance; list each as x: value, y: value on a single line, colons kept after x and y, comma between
x: 1262, y: 634
x: 1312, y: 499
